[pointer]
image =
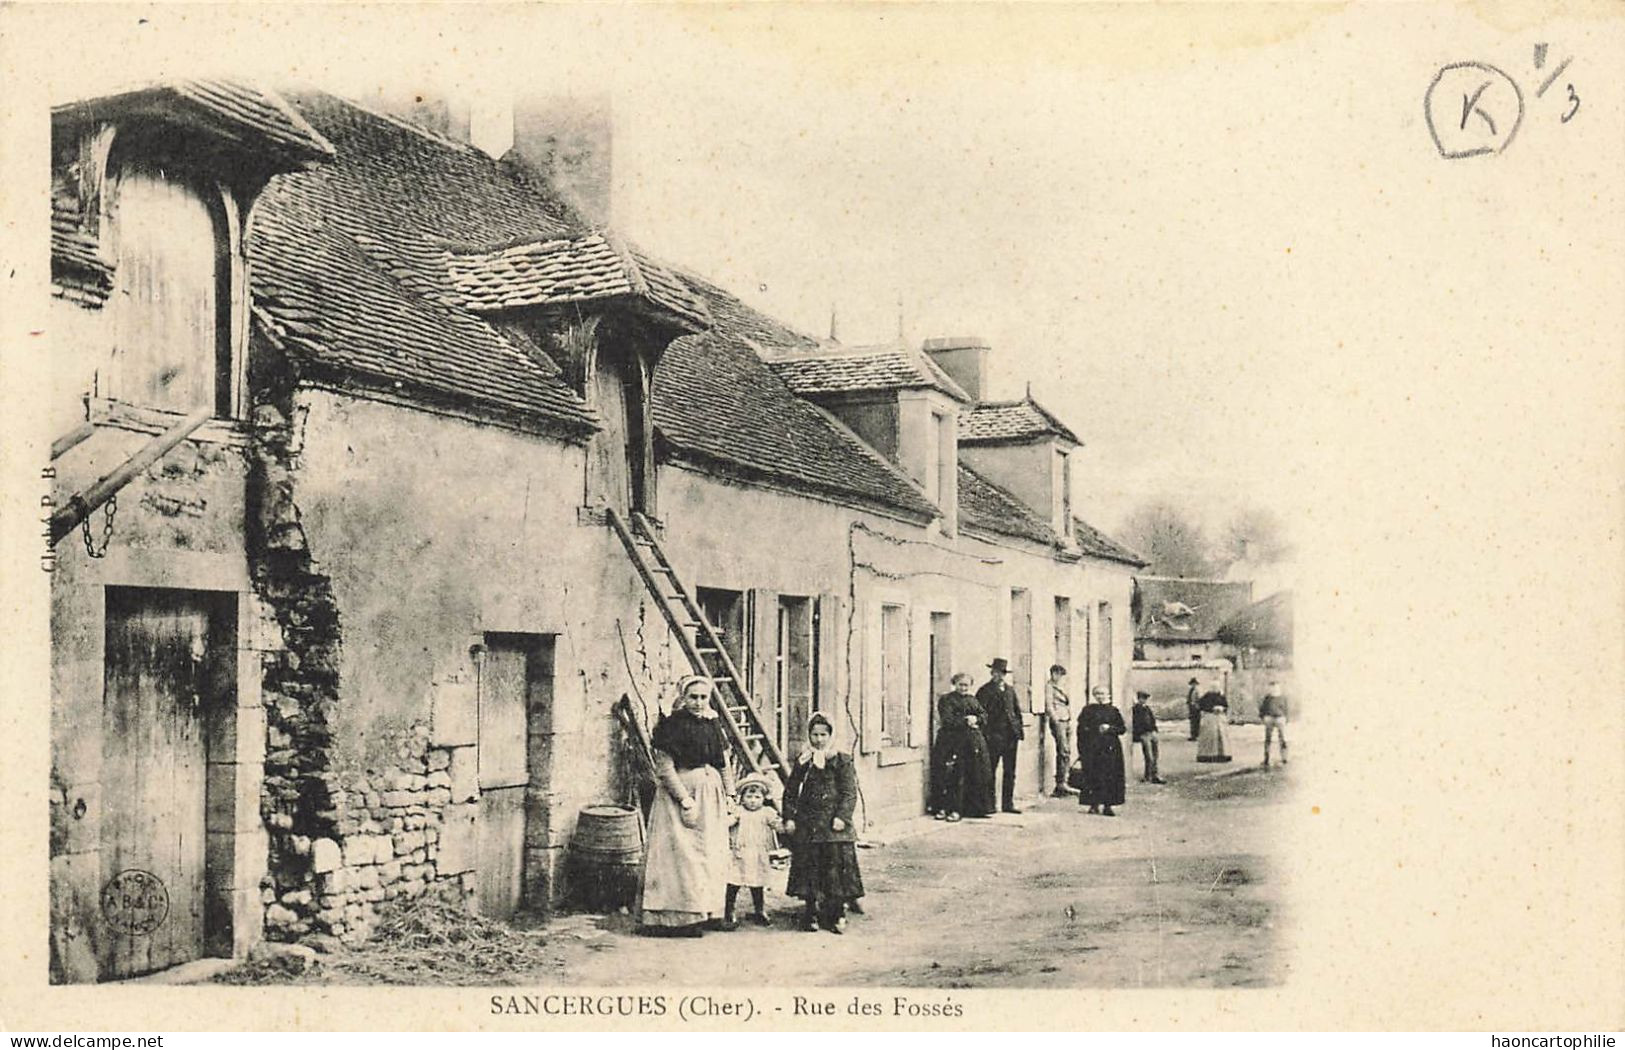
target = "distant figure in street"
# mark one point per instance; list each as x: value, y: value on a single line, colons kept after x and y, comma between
x: 1214, y: 744
x: 1145, y: 734
x: 1193, y: 709
x: 818, y: 802
x: 1100, y: 751
x: 1058, y: 706
x: 1272, y: 709
x: 1002, y: 728
x: 961, y: 775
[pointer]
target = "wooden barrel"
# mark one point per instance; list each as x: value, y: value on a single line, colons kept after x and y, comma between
x: 606, y: 855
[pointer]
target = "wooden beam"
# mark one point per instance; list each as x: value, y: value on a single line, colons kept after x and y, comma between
x: 82, y: 505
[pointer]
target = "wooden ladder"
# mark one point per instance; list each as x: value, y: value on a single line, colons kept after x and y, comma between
x: 753, y: 743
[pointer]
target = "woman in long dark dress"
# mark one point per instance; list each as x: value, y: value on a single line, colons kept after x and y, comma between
x: 1100, y: 752
x: 818, y: 802
x: 961, y: 771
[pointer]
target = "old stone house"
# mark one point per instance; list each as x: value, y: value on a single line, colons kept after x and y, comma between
x: 360, y: 629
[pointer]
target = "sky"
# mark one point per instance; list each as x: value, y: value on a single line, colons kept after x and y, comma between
x: 1198, y: 232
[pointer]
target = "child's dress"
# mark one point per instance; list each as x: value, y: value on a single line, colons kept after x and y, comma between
x: 752, y: 842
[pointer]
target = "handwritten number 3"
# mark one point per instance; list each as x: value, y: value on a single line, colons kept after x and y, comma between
x: 1574, y: 105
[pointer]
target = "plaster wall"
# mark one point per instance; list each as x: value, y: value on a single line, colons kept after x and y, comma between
x: 179, y: 525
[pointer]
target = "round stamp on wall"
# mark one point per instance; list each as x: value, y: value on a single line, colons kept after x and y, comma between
x: 135, y: 901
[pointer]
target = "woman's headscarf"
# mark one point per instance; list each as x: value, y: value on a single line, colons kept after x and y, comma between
x: 682, y: 694
x: 817, y: 755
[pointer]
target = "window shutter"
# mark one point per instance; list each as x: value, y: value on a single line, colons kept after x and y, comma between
x: 764, y: 646
x: 829, y: 696
x: 867, y: 687
x: 919, y: 677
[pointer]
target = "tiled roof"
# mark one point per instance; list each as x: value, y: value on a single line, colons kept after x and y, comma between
x: 717, y: 405
x: 76, y: 259
x: 567, y: 270
x: 985, y: 506
x: 348, y: 261
x: 1265, y: 624
x: 1169, y: 609
x: 252, y: 115
x: 851, y: 371
x: 994, y: 422
x: 1096, y: 544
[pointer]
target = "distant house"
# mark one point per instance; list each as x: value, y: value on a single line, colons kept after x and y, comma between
x: 1178, y: 619
x: 1261, y: 633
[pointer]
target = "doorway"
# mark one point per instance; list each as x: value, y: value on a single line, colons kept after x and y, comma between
x: 514, y: 759
x: 169, y: 686
x: 940, y: 672
x: 1021, y: 646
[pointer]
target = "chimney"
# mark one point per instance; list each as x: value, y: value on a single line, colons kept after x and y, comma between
x: 430, y: 109
x: 568, y: 139
x: 964, y: 358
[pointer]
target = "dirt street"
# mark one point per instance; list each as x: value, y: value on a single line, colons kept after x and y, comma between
x: 1177, y: 891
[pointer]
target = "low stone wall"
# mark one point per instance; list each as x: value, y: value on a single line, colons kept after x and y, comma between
x: 399, y: 833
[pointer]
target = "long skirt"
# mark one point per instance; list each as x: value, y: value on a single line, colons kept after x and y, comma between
x: 962, y: 774
x: 825, y: 871
x: 1213, y: 744
x: 685, y: 875
x: 1103, y: 774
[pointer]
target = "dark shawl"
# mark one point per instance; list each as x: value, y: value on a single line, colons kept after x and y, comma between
x: 690, y: 740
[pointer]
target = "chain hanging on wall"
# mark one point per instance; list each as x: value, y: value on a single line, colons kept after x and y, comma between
x: 109, y: 512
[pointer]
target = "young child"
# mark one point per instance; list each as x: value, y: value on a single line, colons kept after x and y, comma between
x: 752, y: 841
x: 818, y: 803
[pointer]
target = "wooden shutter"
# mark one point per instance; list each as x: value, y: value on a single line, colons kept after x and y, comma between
x: 830, y: 630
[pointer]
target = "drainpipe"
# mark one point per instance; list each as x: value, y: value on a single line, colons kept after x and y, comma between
x: 82, y: 505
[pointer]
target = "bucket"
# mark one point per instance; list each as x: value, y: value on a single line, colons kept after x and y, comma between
x: 606, y: 854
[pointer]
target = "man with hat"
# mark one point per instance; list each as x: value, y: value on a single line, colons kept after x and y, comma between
x: 1193, y: 708
x: 1002, y: 728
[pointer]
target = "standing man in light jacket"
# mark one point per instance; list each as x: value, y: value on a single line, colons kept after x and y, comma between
x: 1058, y: 706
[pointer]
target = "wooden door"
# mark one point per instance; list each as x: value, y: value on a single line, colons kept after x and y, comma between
x: 941, y: 672
x: 504, y: 773
x: 158, y: 685
x: 172, y: 337
x: 1021, y: 646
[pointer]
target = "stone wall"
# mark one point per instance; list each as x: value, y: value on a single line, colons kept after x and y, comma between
x: 397, y: 834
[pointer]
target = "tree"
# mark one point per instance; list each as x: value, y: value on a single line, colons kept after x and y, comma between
x: 1255, y: 535
x: 1169, y: 539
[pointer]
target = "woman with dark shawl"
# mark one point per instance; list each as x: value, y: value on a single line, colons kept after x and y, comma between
x: 819, y: 799
x: 685, y: 877
x: 1213, y: 742
x: 961, y: 771
x: 1100, y: 753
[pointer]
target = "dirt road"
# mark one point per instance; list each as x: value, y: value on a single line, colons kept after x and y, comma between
x: 1177, y: 891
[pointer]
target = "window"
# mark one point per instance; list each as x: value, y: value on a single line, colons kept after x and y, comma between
x: 725, y: 612
x: 1061, y: 492
x: 173, y: 346
x: 896, y: 712
x: 1063, y: 633
x: 933, y: 459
